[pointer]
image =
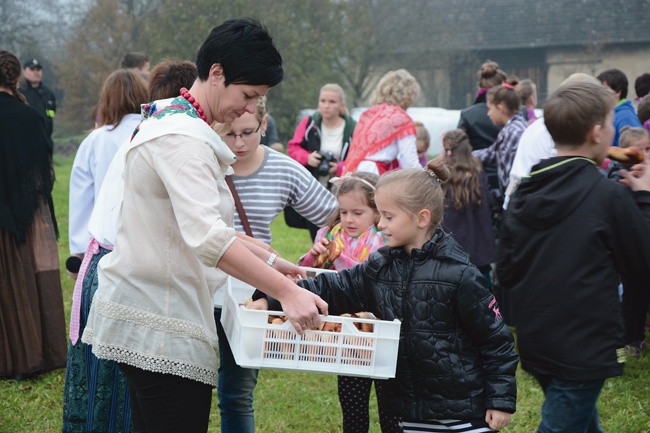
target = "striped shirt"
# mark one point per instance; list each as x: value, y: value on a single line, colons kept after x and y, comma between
x: 504, y: 148
x: 445, y: 426
x: 279, y: 182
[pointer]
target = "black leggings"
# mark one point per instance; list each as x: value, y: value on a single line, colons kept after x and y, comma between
x: 164, y: 403
x: 354, y: 396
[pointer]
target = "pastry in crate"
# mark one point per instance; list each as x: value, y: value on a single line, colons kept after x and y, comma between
x: 319, y: 346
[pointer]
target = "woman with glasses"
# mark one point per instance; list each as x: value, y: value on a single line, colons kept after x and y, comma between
x: 260, y: 172
x: 266, y: 181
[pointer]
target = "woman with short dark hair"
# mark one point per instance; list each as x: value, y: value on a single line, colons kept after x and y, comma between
x: 153, y: 311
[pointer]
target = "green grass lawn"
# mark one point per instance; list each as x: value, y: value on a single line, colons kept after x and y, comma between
x: 300, y: 402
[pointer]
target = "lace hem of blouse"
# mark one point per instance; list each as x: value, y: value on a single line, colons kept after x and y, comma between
x: 155, y: 321
x: 120, y: 321
x: 156, y: 365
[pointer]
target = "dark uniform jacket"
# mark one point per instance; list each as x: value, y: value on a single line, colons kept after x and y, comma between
x: 42, y: 99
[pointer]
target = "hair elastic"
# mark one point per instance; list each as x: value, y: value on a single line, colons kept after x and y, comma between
x: 337, y: 181
x: 433, y: 175
x: 508, y: 86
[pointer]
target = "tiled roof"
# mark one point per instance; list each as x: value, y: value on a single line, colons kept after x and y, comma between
x: 510, y: 24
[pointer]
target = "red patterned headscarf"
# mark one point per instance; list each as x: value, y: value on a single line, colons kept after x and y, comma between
x: 377, y: 128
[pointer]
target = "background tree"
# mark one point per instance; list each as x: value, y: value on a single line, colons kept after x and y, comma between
x: 305, y: 34
x: 364, y: 45
x: 301, y: 29
x: 348, y: 42
x: 177, y: 29
x: 94, y: 50
x: 24, y: 26
x: 34, y: 29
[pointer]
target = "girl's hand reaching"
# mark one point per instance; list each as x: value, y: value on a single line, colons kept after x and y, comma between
x: 496, y: 419
x: 638, y: 178
x: 260, y: 304
x: 319, y: 247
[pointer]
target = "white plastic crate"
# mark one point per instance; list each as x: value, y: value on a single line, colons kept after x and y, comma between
x: 257, y: 344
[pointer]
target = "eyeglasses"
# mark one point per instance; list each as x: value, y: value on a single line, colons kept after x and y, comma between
x: 246, y: 137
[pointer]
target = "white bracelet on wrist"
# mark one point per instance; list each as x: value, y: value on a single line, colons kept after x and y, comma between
x: 271, y: 259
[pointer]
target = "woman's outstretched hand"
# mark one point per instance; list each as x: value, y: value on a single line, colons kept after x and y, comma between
x: 303, y: 308
x: 292, y: 271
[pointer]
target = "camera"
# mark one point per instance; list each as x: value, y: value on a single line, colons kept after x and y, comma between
x: 324, y: 166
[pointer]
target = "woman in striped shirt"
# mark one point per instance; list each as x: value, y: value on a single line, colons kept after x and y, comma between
x: 266, y: 182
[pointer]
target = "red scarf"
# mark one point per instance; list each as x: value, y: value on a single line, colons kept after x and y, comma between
x: 377, y: 128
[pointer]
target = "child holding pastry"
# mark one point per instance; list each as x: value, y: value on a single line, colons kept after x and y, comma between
x: 348, y: 240
x: 456, y: 362
x: 633, y: 147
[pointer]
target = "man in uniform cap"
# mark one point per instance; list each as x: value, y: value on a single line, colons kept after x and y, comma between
x: 39, y: 96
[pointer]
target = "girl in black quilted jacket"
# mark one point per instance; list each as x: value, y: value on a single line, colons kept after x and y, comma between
x: 456, y: 362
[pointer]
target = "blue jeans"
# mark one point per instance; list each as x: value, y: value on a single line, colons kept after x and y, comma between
x: 570, y: 406
x: 235, y: 388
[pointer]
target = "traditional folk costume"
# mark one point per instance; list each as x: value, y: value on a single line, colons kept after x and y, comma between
x: 95, y: 395
x: 32, y: 337
x: 90, y: 165
x: 383, y: 139
x: 131, y: 308
x: 96, y: 392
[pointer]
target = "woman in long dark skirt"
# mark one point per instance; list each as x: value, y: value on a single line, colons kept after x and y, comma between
x: 32, y: 321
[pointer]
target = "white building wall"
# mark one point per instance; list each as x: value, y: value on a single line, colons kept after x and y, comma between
x: 564, y: 62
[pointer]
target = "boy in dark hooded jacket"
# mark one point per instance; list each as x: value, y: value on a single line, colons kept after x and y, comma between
x: 568, y: 236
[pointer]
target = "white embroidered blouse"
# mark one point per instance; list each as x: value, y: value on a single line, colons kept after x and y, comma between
x: 153, y: 309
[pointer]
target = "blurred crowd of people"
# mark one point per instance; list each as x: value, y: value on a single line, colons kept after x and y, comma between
x: 523, y: 220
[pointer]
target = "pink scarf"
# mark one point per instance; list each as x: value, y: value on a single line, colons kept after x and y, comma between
x: 354, y: 250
